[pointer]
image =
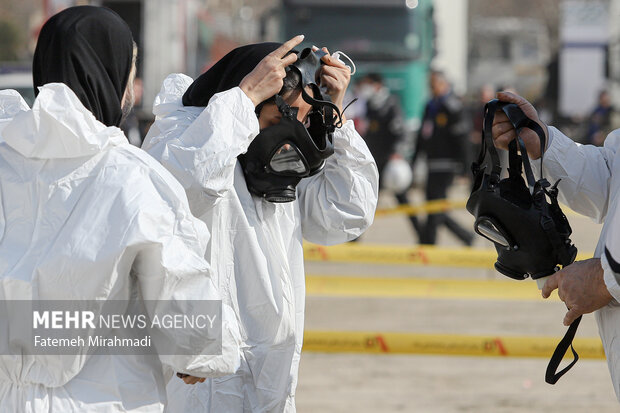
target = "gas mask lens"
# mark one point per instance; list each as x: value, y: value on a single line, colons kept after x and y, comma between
x: 287, y: 160
x: 485, y: 227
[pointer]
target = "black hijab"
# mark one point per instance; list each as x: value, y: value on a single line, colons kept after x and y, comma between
x: 89, y: 49
x: 227, y: 73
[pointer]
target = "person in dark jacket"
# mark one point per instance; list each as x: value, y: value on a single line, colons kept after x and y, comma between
x: 443, y: 138
x: 384, y: 131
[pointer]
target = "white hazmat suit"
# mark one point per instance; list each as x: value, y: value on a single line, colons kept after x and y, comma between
x: 263, y: 280
x: 86, y: 216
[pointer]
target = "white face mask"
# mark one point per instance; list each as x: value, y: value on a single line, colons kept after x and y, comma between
x: 366, y: 91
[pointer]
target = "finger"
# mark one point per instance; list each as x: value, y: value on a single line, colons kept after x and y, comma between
x: 550, y: 285
x: 336, y: 69
x: 571, y: 316
x: 501, y: 128
x: 511, y: 98
x: 336, y: 72
x: 289, y: 59
x: 331, y: 83
x: 287, y: 46
x: 325, y: 50
x: 501, y: 140
x: 500, y: 117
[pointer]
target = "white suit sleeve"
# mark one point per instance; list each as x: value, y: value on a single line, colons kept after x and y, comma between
x: 169, y: 265
x: 338, y: 204
x: 584, y: 170
x: 610, y: 258
x: 199, y: 146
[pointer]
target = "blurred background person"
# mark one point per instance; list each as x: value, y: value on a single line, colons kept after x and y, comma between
x: 443, y: 137
x: 382, y: 127
x: 599, y: 124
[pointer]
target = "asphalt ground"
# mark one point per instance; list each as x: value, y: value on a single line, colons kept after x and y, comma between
x: 341, y: 382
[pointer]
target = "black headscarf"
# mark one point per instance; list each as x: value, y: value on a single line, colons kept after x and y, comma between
x: 90, y: 49
x: 227, y: 73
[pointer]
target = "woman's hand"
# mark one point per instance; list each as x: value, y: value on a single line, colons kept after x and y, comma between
x: 267, y: 77
x: 335, y: 76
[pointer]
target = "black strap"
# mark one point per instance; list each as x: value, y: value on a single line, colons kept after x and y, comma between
x: 514, y: 160
x: 487, y: 143
x: 551, y: 376
x: 327, y: 103
x: 520, y: 121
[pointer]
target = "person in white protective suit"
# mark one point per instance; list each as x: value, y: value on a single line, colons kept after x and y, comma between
x: 590, y: 185
x: 84, y: 215
x: 206, y: 133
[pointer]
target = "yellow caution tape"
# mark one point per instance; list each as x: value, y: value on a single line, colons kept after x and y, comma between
x: 440, y: 205
x: 404, y: 255
x: 339, y: 286
x: 430, y: 207
x: 444, y: 344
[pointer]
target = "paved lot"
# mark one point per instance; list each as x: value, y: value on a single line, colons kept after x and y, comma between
x: 422, y: 383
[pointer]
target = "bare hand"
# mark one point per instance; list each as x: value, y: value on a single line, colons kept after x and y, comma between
x: 504, y: 132
x: 266, y: 79
x: 190, y: 379
x: 581, y: 286
x: 335, y: 76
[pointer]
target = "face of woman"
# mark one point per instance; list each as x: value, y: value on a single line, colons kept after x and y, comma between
x: 270, y: 115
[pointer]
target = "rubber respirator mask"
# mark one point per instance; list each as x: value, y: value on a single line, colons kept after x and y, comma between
x: 283, y: 154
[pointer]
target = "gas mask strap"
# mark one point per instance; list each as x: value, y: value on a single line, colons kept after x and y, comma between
x: 514, y: 160
x: 520, y: 121
x: 285, y: 109
x: 551, y: 376
x: 529, y: 175
x: 487, y: 143
x: 318, y: 102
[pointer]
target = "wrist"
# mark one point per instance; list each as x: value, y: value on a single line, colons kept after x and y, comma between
x: 247, y: 89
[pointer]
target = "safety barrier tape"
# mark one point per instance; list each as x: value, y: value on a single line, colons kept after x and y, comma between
x: 443, y: 344
x: 406, y: 255
x: 439, y: 205
x: 431, y: 288
x: 430, y: 207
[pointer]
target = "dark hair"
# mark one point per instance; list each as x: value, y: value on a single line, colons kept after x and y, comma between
x: 374, y: 77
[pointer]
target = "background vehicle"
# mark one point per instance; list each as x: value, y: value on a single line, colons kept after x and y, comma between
x: 400, y: 48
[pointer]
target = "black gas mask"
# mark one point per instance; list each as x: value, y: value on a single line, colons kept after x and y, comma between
x: 524, y: 221
x: 284, y: 153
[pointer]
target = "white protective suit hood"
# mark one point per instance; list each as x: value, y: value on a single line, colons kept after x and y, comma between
x: 256, y: 245
x: 86, y: 216
x: 52, y: 131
